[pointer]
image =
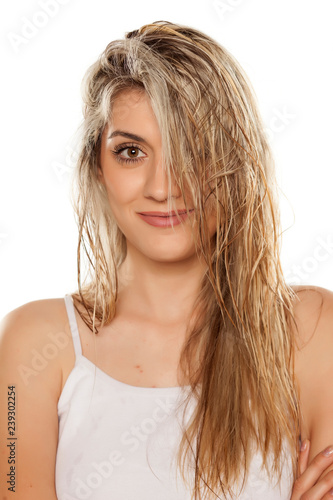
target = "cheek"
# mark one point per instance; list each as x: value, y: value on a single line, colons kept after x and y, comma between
x: 123, y: 191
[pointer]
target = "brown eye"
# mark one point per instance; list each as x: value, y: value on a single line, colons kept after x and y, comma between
x: 130, y: 152
x: 127, y: 154
x: 133, y: 152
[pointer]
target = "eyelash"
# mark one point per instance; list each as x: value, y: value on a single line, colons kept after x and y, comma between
x: 116, y: 151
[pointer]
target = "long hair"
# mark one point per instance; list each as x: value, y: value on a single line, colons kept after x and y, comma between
x: 238, y: 353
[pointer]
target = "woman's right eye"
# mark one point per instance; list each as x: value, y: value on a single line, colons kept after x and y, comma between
x: 132, y: 154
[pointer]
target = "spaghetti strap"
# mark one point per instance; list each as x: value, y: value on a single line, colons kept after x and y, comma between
x: 73, y: 325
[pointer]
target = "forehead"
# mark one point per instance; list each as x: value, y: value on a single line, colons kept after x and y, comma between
x: 128, y: 102
x: 131, y: 111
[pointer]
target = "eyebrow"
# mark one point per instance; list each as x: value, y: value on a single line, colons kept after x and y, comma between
x: 134, y: 137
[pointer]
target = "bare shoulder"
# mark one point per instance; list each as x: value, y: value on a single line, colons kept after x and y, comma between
x: 314, y: 364
x: 313, y: 311
x: 33, y: 320
x: 36, y: 310
x: 34, y: 336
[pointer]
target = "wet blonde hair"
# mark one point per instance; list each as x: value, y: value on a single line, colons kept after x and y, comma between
x: 238, y: 354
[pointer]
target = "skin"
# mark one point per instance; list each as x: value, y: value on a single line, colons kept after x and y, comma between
x: 314, y: 374
x: 158, y: 283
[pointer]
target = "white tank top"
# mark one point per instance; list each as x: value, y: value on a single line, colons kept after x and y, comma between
x: 119, y: 442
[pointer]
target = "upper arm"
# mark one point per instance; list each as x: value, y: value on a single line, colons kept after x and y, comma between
x: 30, y: 380
x: 315, y: 368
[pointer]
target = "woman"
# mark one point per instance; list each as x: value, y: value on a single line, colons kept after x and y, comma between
x: 185, y: 351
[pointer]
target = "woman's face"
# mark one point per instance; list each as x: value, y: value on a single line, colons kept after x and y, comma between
x: 131, y: 169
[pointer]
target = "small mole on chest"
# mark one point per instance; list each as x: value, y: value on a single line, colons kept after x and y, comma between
x: 139, y: 368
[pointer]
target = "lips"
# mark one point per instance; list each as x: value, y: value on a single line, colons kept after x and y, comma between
x: 164, y: 219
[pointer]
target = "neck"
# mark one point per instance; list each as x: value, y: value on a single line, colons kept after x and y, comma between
x: 163, y: 292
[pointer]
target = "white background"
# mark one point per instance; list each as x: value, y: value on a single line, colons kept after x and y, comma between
x: 284, y: 46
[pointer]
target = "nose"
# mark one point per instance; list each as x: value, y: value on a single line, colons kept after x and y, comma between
x: 156, y: 183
